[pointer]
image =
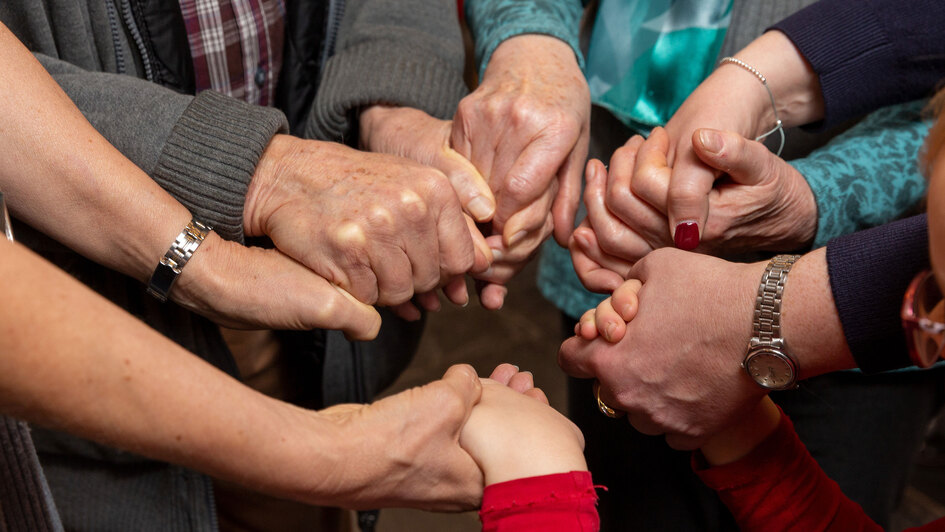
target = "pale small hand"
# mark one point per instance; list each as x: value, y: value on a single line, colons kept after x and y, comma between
x: 677, y: 370
x: 609, y: 320
x: 512, y: 436
x: 379, y: 226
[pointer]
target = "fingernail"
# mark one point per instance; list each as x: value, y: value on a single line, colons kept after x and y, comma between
x: 480, y: 208
x: 514, y: 366
x: 609, y: 331
x: 711, y: 140
x: 582, y: 240
x: 517, y: 237
x: 687, y: 235
x: 496, y: 255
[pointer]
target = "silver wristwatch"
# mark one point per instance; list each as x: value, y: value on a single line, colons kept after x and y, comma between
x: 768, y: 362
x: 177, y: 256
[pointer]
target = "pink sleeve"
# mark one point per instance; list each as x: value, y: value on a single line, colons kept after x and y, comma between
x: 563, y: 502
x: 779, y: 487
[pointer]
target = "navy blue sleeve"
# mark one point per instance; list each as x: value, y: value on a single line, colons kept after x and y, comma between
x: 870, y: 53
x: 869, y: 273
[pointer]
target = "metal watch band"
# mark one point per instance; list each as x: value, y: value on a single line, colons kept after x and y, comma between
x: 766, y: 326
x: 171, y: 264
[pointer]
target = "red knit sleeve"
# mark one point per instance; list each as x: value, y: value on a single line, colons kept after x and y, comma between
x: 779, y: 487
x: 563, y: 502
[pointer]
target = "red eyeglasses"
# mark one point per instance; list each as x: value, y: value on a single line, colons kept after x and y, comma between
x: 923, y: 318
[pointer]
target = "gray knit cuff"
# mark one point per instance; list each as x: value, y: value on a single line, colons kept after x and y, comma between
x: 211, y: 156
x: 381, y: 73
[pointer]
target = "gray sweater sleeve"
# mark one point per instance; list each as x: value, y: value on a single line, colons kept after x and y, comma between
x: 203, y: 150
x: 401, y: 52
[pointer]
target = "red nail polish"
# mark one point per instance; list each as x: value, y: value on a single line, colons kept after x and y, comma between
x: 687, y: 235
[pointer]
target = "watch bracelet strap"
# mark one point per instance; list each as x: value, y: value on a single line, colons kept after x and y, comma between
x: 176, y: 257
x: 766, y: 325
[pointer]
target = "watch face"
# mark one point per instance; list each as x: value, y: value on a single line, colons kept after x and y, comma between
x: 771, y: 369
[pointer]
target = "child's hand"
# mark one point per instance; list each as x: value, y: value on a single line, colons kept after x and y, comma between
x: 511, y: 435
x: 610, y: 317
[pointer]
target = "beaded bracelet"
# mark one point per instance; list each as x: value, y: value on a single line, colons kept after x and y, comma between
x: 764, y: 81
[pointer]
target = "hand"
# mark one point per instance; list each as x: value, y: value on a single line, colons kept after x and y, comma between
x: 609, y: 320
x: 256, y: 288
x: 763, y: 204
x: 732, y: 99
x: 512, y: 436
x: 403, y: 451
x: 381, y: 227
x: 526, y: 128
x: 677, y: 369
x: 414, y: 134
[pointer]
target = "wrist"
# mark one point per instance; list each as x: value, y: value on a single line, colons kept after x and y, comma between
x: 740, y: 439
x: 531, y: 52
x: 263, y: 184
x: 792, y: 80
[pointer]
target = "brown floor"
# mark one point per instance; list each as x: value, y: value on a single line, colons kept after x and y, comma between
x: 525, y: 332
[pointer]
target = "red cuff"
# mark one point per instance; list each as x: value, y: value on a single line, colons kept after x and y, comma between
x: 562, y: 502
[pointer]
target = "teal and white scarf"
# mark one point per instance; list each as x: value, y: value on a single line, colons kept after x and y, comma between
x: 646, y: 56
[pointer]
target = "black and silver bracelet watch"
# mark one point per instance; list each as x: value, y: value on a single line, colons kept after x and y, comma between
x: 768, y: 361
x: 181, y: 250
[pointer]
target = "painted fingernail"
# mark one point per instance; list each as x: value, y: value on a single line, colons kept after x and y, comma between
x: 517, y: 237
x: 711, y: 140
x: 480, y: 208
x: 687, y: 235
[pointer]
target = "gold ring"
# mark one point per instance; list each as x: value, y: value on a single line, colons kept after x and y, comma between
x: 602, y: 406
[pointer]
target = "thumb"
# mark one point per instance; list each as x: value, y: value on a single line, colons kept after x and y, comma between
x: 746, y: 162
x: 464, y: 382
x: 337, y: 309
x: 470, y: 187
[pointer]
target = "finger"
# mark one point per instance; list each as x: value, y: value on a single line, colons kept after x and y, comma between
x: 688, y: 201
x: 610, y: 324
x: 357, y: 320
x: 592, y: 275
x: 503, y: 373
x: 587, y: 325
x: 747, y: 162
x: 602, y: 392
x: 492, y: 296
x: 407, y: 311
x: 500, y: 272
x: 611, y: 234
x: 477, y: 148
x: 428, y: 301
x: 524, y: 248
x: 455, y: 238
x: 625, y: 301
x: 400, y: 271
x: 483, y: 258
x: 456, y: 291
x: 471, y: 188
x: 651, y: 173
x: 522, y: 381
x: 569, y: 190
x: 681, y: 442
x: 574, y: 358
x: 533, y: 218
x: 537, y: 394
x: 464, y: 381
x: 587, y: 240
x: 532, y: 173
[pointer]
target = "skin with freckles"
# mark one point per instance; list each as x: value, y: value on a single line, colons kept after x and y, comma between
x: 379, y: 226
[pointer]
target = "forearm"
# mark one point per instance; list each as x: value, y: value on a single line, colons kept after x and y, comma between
x: 66, y: 180
x: 880, y: 157
x: 123, y: 384
x: 494, y: 21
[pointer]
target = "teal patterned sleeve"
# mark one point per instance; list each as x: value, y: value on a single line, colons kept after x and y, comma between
x: 869, y: 175
x: 493, y: 21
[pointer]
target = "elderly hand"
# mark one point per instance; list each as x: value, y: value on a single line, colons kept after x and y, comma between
x: 764, y: 204
x: 379, y: 226
x: 526, y: 128
x: 677, y: 369
x: 403, y: 451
